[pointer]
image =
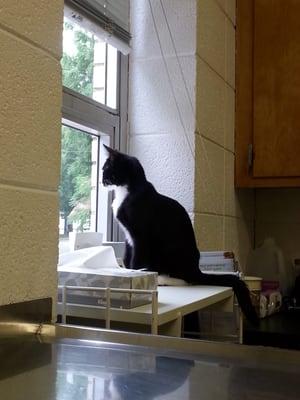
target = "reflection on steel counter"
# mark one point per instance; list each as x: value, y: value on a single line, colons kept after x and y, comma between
x: 269, y: 385
x: 169, y: 375
x: 42, y: 361
x: 18, y: 357
x: 119, y: 375
x: 69, y: 369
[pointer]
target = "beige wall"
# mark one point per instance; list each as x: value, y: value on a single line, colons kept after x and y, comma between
x: 30, y: 86
x: 181, y: 114
x: 223, y: 217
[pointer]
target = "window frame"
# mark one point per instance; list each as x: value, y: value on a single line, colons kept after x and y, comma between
x: 79, y: 111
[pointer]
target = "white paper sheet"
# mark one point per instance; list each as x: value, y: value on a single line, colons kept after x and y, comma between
x: 92, y: 257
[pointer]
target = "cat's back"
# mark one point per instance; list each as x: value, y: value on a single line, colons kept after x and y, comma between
x: 148, y: 208
x: 147, y: 198
x: 174, y: 217
x: 162, y: 212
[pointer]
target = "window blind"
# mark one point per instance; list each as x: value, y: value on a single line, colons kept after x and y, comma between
x: 112, y: 16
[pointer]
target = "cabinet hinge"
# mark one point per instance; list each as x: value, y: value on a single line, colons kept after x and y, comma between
x: 250, y: 156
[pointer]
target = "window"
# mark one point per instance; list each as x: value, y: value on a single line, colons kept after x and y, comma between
x: 79, y: 176
x: 89, y: 64
x: 94, y: 75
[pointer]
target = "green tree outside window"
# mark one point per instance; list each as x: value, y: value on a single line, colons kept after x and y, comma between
x: 75, y: 184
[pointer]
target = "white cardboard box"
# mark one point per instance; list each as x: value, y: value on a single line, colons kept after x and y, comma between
x: 217, y: 261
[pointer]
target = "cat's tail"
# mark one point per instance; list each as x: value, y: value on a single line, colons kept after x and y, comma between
x: 240, y: 290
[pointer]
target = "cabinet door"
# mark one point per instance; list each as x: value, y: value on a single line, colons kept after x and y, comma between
x: 276, y: 88
x: 268, y: 93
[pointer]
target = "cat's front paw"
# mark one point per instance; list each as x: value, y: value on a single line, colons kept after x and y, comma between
x: 165, y: 280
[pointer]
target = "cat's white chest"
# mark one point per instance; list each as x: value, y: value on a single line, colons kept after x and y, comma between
x: 121, y: 193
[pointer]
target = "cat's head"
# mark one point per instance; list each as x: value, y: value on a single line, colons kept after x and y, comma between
x: 120, y: 169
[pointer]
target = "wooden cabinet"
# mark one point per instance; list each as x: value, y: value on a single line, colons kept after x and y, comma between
x: 267, y: 142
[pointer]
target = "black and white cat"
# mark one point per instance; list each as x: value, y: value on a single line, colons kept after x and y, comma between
x: 159, y: 233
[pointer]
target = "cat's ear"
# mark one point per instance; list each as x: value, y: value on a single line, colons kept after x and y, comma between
x: 111, y: 152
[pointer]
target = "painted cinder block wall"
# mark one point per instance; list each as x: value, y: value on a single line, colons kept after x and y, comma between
x: 30, y: 86
x: 162, y: 74
x: 223, y: 215
x: 181, y: 114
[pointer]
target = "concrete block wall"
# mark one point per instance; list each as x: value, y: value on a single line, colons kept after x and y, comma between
x: 30, y: 86
x: 181, y: 113
x: 223, y: 217
x: 162, y: 94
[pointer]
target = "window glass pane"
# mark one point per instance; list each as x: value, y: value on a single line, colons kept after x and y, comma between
x: 112, y: 63
x: 89, y: 64
x: 78, y: 184
x: 99, y: 71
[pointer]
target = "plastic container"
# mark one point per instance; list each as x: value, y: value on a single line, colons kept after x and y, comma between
x: 269, y: 263
x: 254, y: 284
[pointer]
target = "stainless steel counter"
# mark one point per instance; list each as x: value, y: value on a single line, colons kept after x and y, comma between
x: 43, y: 362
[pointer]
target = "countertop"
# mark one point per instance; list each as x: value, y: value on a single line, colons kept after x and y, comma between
x: 75, y: 364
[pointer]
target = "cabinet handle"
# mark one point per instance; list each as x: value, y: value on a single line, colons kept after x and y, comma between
x: 250, y: 156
